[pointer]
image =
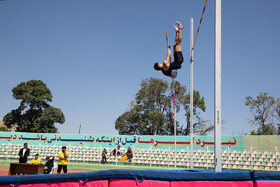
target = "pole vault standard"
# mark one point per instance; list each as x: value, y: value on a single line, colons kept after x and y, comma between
x: 218, y: 90
x: 218, y: 116
x: 192, y: 44
x: 217, y: 107
x: 191, y: 95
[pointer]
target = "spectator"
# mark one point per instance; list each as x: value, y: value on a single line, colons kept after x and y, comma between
x: 118, y: 146
x: 62, y: 163
x: 49, y: 164
x: 114, y: 152
x: 23, y: 154
x: 129, y: 154
x: 36, y: 160
x: 104, y: 159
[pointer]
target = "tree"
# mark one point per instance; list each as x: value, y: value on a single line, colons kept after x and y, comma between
x: 277, y: 114
x: 4, y: 129
x: 152, y: 111
x: 147, y: 113
x: 200, y: 126
x: 34, y: 113
x: 253, y: 132
x: 265, y: 111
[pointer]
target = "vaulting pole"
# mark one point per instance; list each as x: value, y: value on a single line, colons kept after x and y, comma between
x: 218, y: 119
x: 191, y: 95
x: 173, y: 91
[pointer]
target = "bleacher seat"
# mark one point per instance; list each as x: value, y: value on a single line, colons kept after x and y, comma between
x: 258, y: 160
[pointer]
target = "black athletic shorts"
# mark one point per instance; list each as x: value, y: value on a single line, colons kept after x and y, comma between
x: 178, y: 60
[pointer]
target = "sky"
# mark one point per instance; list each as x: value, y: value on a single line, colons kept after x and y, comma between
x: 93, y: 55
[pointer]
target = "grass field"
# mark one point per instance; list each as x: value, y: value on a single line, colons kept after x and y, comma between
x: 97, y: 167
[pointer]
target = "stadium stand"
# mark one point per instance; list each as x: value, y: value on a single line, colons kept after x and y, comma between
x: 266, y: 161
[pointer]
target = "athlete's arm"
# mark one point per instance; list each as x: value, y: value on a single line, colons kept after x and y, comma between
x: 166, y: 64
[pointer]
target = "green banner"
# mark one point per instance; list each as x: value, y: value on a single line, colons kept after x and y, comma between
x: 93, y: 140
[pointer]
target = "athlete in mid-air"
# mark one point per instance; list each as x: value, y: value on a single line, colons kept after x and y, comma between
x: 167, y: 69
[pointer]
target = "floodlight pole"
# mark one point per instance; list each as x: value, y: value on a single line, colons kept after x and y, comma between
x: 217, y: 120
x: 191, y: 95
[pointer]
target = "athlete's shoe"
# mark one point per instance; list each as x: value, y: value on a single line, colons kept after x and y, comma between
x: 179, y: 25
x: 175, y: 27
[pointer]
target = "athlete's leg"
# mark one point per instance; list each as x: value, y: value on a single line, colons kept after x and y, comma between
x: 178, y: 40
x: 178, y: 57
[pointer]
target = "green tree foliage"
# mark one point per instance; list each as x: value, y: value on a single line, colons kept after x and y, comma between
x: 200, y: 126
x: 152, y: 111
x: 4, y: 129
x: 277, y: 115
x: 34, y: 113
x: 253, y: 132
x: 265, y: 111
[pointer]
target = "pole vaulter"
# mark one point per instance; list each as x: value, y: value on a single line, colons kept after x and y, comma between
x: 170, y: 69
